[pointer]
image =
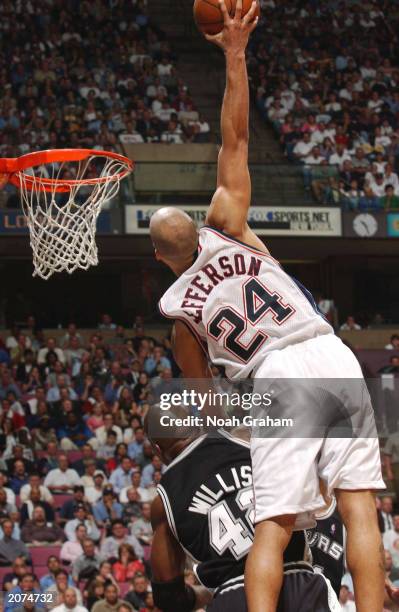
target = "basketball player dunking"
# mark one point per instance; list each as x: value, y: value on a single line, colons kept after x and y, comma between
x: 256, y: 321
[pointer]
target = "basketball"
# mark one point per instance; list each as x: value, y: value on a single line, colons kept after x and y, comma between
x: 209, y: 17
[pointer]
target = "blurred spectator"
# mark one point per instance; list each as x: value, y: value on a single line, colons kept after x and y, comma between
x: 140, y: 587
x: 386, y: 512
x: 107, y: 509
x: 73, y: 549
x: 87, y: 564
x: 149, y: 470
x: 19, y: 476
x: 110, y: 546
x: 346, y: 604
x: 121, y: 477
x: 111, y: 601
x: 127, y: 565
x: 393, y: 345
x: 350, y: 325
x: 38, y: 531
x: 11, y: 549
x: 6, y: 509
x: 19, y: 569
x: 48, y: 580
x: 63, y: 478
x: 392, y: 573
x: 25, y: 585
x: 35, y: 500
x: 95, y: 493
x: 59, y: 588
x: 141, y: 528
x: 82, y: 517
x: 109, y: 424
x: 50, y: 347
x: 70, y: 603
x: 390, y: 201
x: 391, y: 541
x: 34, y: 483
x: 69, y: 507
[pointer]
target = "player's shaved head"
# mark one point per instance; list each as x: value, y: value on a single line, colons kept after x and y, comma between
x: 174, y: 236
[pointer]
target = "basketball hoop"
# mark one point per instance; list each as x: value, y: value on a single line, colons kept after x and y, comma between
x: 62, y: 192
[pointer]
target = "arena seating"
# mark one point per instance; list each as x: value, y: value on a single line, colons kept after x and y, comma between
x: 331, y: 96
x: 95, y: 76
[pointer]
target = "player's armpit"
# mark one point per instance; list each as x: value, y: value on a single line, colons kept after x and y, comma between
x: 189, y: 355
x: 193, y: 362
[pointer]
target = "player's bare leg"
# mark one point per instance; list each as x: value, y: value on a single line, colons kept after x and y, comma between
x: 264, y: 568
x: 364, y: 549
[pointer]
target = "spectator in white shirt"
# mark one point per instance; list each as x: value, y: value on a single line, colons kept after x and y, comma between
x: 346, y: 92
x: 315, y: 158
x: 70, y: 603
x: 136, y: 485
x: 63, y: 478
x: 173, y: 134
x: 341, y: 154
x: 165, y: 67
x: 50, y: 346
x: 375, y: 103
x: 81, y: 518
x: 391, y: 540
x: 319, y: 135
x: 34, y: 483
x: 101, y: 432
x: 346, y: 604
x: 165, y: 112
x: 131, y: 135
x: 350, y: 324
x: 377, y: 185
x: 367, y: 71
x: 303, y: 147
x: 391, y: 178
x: 95, y: 492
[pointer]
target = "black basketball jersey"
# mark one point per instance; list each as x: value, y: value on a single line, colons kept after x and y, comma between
x: 208, y: 498
x: 326, y: 542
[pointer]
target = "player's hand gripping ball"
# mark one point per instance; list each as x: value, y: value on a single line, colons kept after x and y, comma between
x: 209, y: 17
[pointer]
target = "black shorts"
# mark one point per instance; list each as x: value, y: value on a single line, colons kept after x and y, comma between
x: 303, y: 591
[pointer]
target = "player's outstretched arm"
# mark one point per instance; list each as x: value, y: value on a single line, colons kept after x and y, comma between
x: 230, y: 204
x: 168, y: 562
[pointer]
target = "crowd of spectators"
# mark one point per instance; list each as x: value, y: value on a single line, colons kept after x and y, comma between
x: 77, y: 473
x: 90, y: 74
x: 325, y: 74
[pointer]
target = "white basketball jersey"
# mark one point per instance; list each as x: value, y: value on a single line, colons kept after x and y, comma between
x: 240, y: 302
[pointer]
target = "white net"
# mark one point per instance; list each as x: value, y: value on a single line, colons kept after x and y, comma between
x: 62, y: 224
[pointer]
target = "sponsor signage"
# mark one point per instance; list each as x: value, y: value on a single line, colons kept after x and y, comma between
x: 14, y: 222
x: 264, y: 220
x: 393, y: 225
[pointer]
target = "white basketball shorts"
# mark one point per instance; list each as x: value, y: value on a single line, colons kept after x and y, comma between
x: 324, y: 394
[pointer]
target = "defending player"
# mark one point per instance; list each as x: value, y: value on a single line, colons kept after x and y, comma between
x: 256, y: 321
x: 204, y: 508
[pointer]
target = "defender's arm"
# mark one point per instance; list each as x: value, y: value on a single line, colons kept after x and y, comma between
x: 230, y: 204
x: 193, y: 362
x: 189, y: 355
x: 170, y: 592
